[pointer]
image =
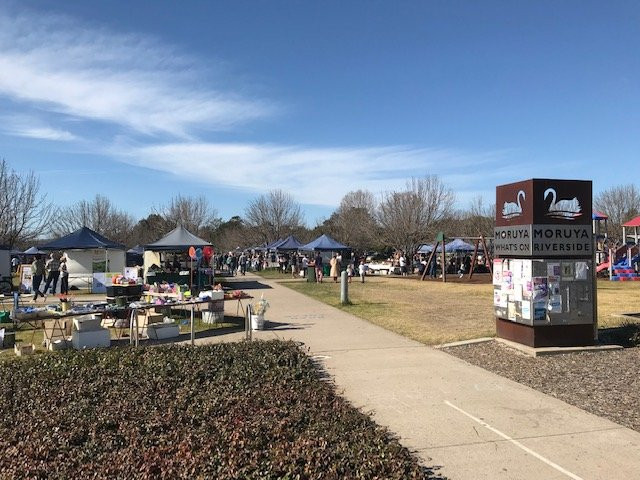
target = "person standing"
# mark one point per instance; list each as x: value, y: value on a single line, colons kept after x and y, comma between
x: 362, y: 269
x: 64, y: 277
x: 53, y: 267
x: 305, y: 266
x: 403, y: 265
x: 335, y: 267
x: 318, y: 267
x: 350, y: 271
x: 37, y: 273
x: 15, y: 263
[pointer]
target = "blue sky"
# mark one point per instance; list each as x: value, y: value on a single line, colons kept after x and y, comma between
x: 142, y: 100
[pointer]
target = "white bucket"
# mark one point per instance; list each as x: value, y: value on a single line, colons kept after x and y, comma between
x: 257, y: 322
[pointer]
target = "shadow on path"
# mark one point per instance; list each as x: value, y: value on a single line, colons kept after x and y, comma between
x: 243, y: 284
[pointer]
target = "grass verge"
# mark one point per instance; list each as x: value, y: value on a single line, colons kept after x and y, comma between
x: 433, y: 312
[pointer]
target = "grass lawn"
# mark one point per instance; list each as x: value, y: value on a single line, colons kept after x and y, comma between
x: 432, y: 312
x: 251, y: 410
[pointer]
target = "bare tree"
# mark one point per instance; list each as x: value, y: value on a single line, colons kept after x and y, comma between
x: 273, y: 216
x: 99, y: 215
x: 193, y: 213
x: 479, y: 219
x: 409, y: 216
x: 150, y: 229
x: 621, y: 203
x: 24, y: 212
x: 354, y: 222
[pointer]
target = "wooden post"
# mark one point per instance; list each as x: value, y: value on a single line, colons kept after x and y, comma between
x: 486, y: 254
x: 444, y: 264
x: 431, y: 258
x: 473, y: 259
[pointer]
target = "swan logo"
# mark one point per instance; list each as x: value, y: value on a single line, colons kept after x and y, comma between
x: 567, y: 209
x: 513, y: 209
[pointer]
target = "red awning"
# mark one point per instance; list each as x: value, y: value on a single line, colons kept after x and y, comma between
x: 634, y: 222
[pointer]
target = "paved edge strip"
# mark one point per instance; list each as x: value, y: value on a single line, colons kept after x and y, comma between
x: 464, y: 342
x: 515, y: 442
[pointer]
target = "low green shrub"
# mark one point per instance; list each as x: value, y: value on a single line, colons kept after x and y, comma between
x: 228, y: 411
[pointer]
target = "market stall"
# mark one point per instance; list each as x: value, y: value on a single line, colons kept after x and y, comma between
x: 91, y: 258
x: 167, y: 260
x: 326, y: 245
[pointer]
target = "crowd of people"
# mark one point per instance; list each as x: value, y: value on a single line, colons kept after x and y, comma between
x: 295, y: 263
x: 54, y: 269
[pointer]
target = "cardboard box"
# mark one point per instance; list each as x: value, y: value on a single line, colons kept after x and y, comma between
x: 24, y: 349
x: 159, y: 331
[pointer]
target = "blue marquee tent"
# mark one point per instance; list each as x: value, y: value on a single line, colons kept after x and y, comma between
x: 82, y: 239
x: 458, y: 245
x: 274, y: 244
x: 289, y: 243
x: 177, y: 239
x: 324, y: 242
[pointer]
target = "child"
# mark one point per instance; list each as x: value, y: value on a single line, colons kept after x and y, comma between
x: 350, y: 272
x: 361, y: 270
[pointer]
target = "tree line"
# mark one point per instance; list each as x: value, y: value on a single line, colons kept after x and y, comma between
x: 402, y: 219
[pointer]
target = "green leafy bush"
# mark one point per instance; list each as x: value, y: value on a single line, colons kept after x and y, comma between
x: 243, y: 410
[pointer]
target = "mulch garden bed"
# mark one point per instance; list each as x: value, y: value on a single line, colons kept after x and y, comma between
x: 258, y: 410
x: 605, y: 383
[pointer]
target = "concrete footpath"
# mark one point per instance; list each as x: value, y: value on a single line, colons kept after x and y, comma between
x: 465, y: 421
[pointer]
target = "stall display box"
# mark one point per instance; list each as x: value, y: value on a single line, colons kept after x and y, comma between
x: 91, y: 338
x: 160, y: 331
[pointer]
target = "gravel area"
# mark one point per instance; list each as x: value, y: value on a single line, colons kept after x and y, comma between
x: 606, y: 384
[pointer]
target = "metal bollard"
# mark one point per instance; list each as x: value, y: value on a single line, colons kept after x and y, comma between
x: 248, y: 333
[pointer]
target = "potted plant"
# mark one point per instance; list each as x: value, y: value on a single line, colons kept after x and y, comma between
x: 258, y: 309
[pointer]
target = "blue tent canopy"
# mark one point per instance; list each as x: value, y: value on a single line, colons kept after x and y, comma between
x: 458, y: 245
x: 177, y: 239
x: 455, y: 245
x: 425, y: 248
x: 324, y: 242
x: 274, y: 244
x: 289, y: 243
x: 83, y: 239
x: 137, y: 250
x: 33, y: 251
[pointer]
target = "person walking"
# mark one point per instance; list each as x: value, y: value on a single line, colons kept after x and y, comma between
x: 362, y: 270
x: 53, y: 267
x: 64, y: 277
x: 318, y: 267
x: 37, y: 273
x: 243, y: 263
x: 335, y: 266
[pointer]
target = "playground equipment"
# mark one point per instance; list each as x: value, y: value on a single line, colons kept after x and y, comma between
x: 440, y: 240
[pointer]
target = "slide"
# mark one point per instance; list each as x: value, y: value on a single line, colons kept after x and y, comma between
x: 602, y: 266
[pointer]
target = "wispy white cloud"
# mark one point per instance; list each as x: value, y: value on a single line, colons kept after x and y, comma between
x: 42, y: 133
x: 56, y: 65
x: 319, y: 176
x: 33, y: 127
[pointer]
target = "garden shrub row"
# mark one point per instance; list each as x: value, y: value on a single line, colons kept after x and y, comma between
x: 226, y: 411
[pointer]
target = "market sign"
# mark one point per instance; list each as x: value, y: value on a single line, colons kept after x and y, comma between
x: 544, y: 202
x: 544, y: 218
x: 543, y: 241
